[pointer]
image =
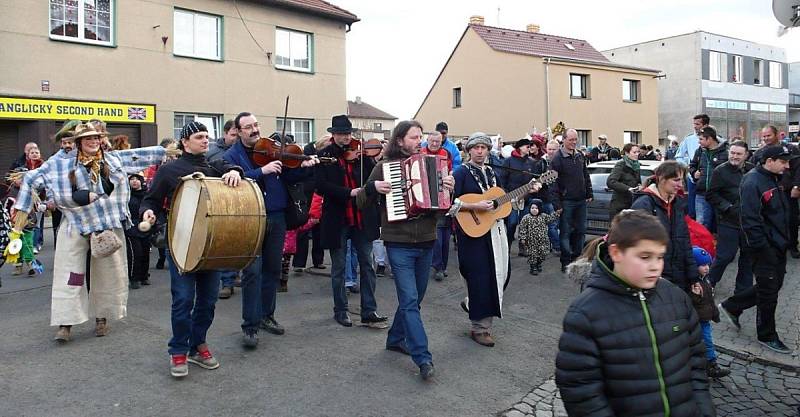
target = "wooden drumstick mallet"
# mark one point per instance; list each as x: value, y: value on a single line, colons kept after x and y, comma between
x: 144, y: 226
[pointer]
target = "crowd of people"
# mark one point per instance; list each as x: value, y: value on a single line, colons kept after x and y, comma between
x: 661, y: 246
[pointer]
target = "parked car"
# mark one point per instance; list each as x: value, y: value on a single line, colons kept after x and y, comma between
x: 597, y: 216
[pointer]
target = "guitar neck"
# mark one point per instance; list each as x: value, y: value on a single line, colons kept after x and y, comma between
x: 516, y: 193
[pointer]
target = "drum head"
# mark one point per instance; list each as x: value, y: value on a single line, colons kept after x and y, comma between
x: 188, y: 225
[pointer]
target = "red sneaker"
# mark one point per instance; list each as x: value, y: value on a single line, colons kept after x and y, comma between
x: 178, y: 367
x: 203, y: 358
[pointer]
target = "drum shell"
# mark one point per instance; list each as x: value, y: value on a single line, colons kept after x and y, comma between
x: 227, y: 229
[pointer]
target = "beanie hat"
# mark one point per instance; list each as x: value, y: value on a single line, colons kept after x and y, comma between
x: 701, y: 256
x: 192, y: 128
x: 479, y: 138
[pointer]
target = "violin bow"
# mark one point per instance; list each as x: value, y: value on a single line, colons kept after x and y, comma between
x: 283, y: 131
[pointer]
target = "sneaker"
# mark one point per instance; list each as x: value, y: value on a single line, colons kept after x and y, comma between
x: 730, y: 317
x: 269, y: 324
x: 101, y: 327
x: 426, y: 371
x: 35, y: 251
x: 178, y: 367
x: 374, y: 317
x: 134, y: 285
x: 533, y: 270
x: 63, y: 333
x: 776, y: 345
x: 250, y: 340
x: 225, y: 293
x: 355, y: 289
x: 713, y: 370
x: 439, y: 276
x: 203, y: 358
x: 299, y: 270
x: 380, y: 271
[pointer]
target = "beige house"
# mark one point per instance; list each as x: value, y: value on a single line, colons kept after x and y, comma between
x: 512, y: 83
x: 149, y: 66
x: 371, y: 121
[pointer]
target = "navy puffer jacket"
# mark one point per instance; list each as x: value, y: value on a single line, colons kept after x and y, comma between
x: 629, y: 352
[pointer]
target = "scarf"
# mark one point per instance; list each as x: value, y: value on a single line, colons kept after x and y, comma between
x: 484, y: 177
x: 631, y: 163
x: 91, y: 163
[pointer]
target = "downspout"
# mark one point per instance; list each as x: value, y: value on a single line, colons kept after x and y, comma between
x: 547, y: 94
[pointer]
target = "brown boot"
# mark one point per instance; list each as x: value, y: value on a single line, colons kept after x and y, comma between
x: 100, y: 327
x: 484, y: 339
x: 62, y: 335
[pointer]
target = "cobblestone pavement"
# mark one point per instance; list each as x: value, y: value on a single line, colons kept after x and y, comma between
x: 752, y: 389
x: 787, y: 318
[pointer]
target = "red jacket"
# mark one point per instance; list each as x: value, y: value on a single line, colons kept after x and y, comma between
x: 443, y: 152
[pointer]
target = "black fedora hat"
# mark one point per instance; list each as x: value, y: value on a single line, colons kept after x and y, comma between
x: 341, y: 124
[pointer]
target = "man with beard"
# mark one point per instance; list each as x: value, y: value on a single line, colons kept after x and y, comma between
x: 723, y: 195
x: 260, y: 278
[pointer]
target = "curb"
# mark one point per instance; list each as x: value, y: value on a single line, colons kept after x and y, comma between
x: 757, y: 359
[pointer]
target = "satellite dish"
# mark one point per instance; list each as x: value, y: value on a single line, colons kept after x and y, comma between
x: 787, y: 12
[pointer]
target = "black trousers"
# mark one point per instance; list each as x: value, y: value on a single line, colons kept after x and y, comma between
x: 138, y: 257
x: 309, y: 237
x: 56, y: 218
x: 764, y: 295
x: 794, y: 222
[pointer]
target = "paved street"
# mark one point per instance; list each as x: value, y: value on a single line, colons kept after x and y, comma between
x: 321, y: 368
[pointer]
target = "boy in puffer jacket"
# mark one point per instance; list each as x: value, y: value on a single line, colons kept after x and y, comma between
x: 702, y: 294
x: 631, y: 344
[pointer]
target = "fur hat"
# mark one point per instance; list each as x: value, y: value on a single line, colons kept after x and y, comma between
x: 67, y: 130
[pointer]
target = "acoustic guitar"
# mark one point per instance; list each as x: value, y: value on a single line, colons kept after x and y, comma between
x: 478, y: 223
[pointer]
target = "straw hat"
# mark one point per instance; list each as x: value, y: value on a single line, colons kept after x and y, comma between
x: 86, y: 129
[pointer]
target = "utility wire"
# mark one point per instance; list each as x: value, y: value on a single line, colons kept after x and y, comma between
x: 260, y: 48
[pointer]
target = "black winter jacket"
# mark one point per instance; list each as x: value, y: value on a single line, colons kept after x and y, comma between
x: 723, y: 194
x: 621, y: 179
x: 679, y: 265
x: 133, y: 206
x: 511, y: 180
x: 573, y: 176
x: 791, y: 177
x: 629, y: 352
x: 705, y: 161
x: 764, y: 211
x: 330, y: 185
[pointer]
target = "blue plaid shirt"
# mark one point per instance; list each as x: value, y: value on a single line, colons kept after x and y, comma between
x: 108, y: 211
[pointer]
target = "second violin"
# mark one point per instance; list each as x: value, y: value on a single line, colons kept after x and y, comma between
x: 268, y: 149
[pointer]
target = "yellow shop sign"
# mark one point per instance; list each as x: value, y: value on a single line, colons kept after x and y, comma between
x: 31, y: 108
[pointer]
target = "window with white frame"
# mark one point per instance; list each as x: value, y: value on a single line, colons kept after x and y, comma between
x: 736, y: 61
x: 775, y: 75
x: 89, y: 21
x: 715, y: 61
x: 758, y: 72
x: 301, y: 129
x: 293, y: 50
x: 197, y: 35
x: 211, y: 121
x: 584, y: 137
x: 630, y: 90
x: 632, y: 137
x: 579, y: 86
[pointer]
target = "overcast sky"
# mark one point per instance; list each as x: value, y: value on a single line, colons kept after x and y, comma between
x: 396, y: 51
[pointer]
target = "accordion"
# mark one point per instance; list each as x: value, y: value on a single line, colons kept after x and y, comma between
x: 416, y: 186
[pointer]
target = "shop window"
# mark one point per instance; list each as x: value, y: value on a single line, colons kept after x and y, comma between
x: 293, y: 50
x: 630, y: 90
x: 301, y: 129
x: 579, y: 86
x: 197, y: 35
x: 211, y: 121
x: 88, y: 21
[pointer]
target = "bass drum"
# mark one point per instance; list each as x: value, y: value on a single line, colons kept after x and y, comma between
x: 215, y: 227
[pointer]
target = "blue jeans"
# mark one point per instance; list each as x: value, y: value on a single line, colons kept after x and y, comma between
x: 729, y: 240
x: 363, y: 250
x: 351, y: 261
x: 38, y: 232
x: 410, y: 269
x: 194, y: 296
x: 552, y: 228
x: 441, y: 249
x: 711, y: 354
x: 573, y: 229
x: 227, y: 278
x: 704, y: 212
x: 260, y: 279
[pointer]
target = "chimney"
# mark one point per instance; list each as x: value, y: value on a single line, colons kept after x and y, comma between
x: 358, y: 99
x: 476, y: 20
x: 532, y: 28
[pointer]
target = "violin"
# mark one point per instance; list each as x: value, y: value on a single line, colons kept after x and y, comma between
x: 369, y: 148
x: 267, y: 150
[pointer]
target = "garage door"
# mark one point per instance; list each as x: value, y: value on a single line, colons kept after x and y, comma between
x: 9, y: 145
x: 132, y: 131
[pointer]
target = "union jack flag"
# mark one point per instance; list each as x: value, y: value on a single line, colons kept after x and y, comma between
x: 137, y: 113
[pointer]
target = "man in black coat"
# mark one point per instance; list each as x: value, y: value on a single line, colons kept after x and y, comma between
x: 520, y: 173
x: 723, y: 195
x: 309, y: 238
x: 765, y: 222
x: 338, y: 184
x: 575, y: 193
